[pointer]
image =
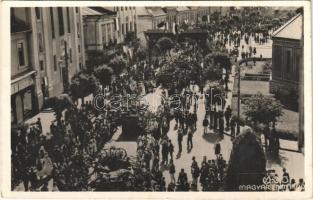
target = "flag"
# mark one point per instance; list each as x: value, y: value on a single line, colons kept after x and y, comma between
x: 117, y: 27
x: 125, y: 49
x: 174, y: 28
x: 162, y: 24
x: 130, y: 52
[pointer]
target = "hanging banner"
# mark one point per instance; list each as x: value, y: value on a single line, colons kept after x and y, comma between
x: 116, y: 24
x: 131, y: 52
x: 174, y: 29
x: 125, y: 49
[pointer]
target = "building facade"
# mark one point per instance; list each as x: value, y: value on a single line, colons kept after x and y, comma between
x: 100, y: 29
x: 171, y: 13
x: 287, y: 68
x: 23, y: 71
x: 286, y: 54
x: 150, y: 18
x: 46, y: 51
x: 126, y: 21
x: 183, y: 13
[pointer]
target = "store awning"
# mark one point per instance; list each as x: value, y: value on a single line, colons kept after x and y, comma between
x: 21, y: 77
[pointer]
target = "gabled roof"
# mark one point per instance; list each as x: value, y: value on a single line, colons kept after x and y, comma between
x: 150, y: 11
x: 156, y: 11
x: 103, y: 10
x: 89, y: 12
x: 182, y: 8
x: 97, y: 11
x: 193, y: 7
x: 291, y: 30
x: 166, y: 9
x: 142, y: 11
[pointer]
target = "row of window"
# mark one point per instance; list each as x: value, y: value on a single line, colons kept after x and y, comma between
x: 22, y: 46
x: 60, y: 21
x: 22, y: 60
x: 122, y: 8
x: 285, y: 60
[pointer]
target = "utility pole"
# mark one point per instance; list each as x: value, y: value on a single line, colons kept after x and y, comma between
x: 65, y: 76
x: 238, y: 102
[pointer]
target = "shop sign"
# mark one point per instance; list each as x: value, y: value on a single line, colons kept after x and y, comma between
x: 22, y: 84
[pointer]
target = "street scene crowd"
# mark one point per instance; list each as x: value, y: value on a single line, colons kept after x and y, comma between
x: 191, y: 78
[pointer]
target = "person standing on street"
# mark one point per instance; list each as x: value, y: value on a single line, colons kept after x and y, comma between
x: 147, y: 158
x: 183, y: 179
x: 215, y: 118
x: 38, y: 123
x: 172, y: 171
x: 212, y: 117
x: 205, y: 124
x: 227, y: 116
x: 170, y: 149
x: 204, y: 173
x: 194, y: 121
x: 232, y: 128
x: 189, y: 139
x: 221, y: 125
x: 195, y: 171
x: 217, y: 149
x: 180, y: 139
x: 164, y: 152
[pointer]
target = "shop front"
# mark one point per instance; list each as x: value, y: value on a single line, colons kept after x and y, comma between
x: 23, y: 99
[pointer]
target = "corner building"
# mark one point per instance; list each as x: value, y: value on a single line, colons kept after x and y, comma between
x: 46, y: 51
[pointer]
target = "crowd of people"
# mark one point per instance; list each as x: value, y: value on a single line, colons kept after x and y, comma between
x: 62, y: 154
x: 76, y: 139
x: 210, y: 174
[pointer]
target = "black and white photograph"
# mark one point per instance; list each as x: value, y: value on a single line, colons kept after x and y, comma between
x: 157, y: 98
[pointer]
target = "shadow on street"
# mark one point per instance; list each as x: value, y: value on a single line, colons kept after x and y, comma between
x: 211, y: 137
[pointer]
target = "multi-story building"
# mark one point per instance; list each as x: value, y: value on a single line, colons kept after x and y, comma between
x: 46, y: 51
x: 100, y: 29
x: 286, y: 55
x: 288, y: 66
x: 191, y: 15
x: 23, y: 71
x: 182, y: 15
x: 150, y: 18
x: 126, y: 21
x: 203, y: 13
x: 171, y: 13
x: 217, y: 13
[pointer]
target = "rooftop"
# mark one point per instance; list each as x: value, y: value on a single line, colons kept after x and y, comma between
x: 291, y: 30
x: 156, y: 11
x: 150, y: 11
x: 182, y: 8
x: 89, y: 11
x: 142, y: 11
x: 97, y: 11
x: 193, y: 7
